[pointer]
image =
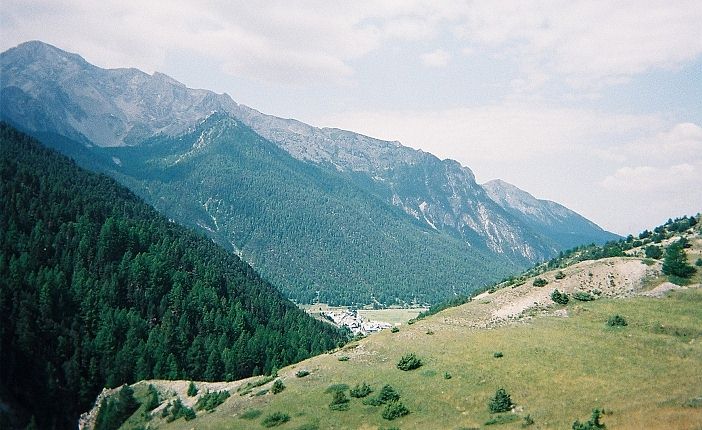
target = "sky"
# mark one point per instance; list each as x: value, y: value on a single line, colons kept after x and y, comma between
x: 593, y: 104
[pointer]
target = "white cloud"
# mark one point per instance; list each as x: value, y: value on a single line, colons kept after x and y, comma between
x: 667, y: 160
x: 437, y: 58
x: 588, y: 43
x: 585, y: 43
x: 648, y: 179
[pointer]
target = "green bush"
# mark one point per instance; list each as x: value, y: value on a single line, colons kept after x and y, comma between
x: 592, y: 424
x: 502, y: 419
x: 251, y: 414
x: 409, y: 362
x: 278, y: 386
x: 698, y: 263
x: 498, y: 354
x: 560, y: 275
x: 249, y: 386
x: 653, y: 251
x: 192, y: 389
x: 539, y: 282
x: 336, y: 387
x: 395, y: 410
x: 559, y: 297
x: 115, y: 410
x: 361, y: 390
x: 339, y: 402
x: 447, y: 375
x: 344, y: 358
x: 501, y: 402
x: 275, y: 419
x: 583, y: 296
x: 152, y: 399
x: 387, y: 394
x: 176, y: 410
x: 302, y: 373
x: 528, y: 421
x: 209, y: 401
x: 675, y: 261
x: 616, y: 321
x: 394, y: 329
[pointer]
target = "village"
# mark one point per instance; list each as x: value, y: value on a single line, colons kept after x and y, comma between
x: 355, y: 322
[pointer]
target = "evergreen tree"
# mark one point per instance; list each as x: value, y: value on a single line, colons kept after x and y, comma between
x: 675, y: 261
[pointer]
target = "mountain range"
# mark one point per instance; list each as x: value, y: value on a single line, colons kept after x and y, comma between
x: 325, y: 214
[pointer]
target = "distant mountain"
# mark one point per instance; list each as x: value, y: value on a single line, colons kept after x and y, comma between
x: 561, y: 225
x: 407, y: 226
x: 98, y: 289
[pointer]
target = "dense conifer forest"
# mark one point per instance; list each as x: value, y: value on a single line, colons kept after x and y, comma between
x: 98, y: 289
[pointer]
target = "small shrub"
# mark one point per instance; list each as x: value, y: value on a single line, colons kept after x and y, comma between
x: 394, y: 330
x: 559, y: 297
x: 249, y: 386
x: 539, y: 282
x: 209, y: 401
x: 502, y: 419
x: 361, y: 390
x: 583, y: 296
x: 278, y: 387
x: 409, y: 362
x: 275, y: 419
x: 251, y: 414
x: 501, y: 402
x: 695, y: 402
x: 430, y: 332
x: 261, y: 392
x: 395, y: 410
x: 616, y: 321
x: 447, y: 375
x: 302, y: 373
x: 560, y: 275
x: 339, y: 402
x: 176, y: 410
x: 336, y: 387
x: 528, y: 421
x: 192, y: 389
x: 152, y: 399
x: 498, y: 354
x: 115, y: 410
x: 698, y: 263
x: 653, y: 251
x: 592, y: 424
x: 344, y: 358
x: 387, y: 394
x: 412, y: 321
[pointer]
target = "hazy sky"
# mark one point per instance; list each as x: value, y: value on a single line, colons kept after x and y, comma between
x: 594, y: 104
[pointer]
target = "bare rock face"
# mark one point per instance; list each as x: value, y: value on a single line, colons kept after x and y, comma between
x: 61, y: 92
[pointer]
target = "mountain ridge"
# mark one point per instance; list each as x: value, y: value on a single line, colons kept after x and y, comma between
x: 109, y: 110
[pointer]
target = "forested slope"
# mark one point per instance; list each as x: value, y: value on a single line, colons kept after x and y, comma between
x: 98, y: 289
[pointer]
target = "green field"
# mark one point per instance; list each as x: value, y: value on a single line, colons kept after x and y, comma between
x: 645, y: 375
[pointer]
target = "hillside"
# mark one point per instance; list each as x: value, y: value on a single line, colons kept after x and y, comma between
x: 98, y: 289
x: 557, y: 362
x: 287, y: 217
x: 364, y: 220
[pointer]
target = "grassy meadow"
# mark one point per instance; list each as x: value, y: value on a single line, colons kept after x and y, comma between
x: 647, y: 374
